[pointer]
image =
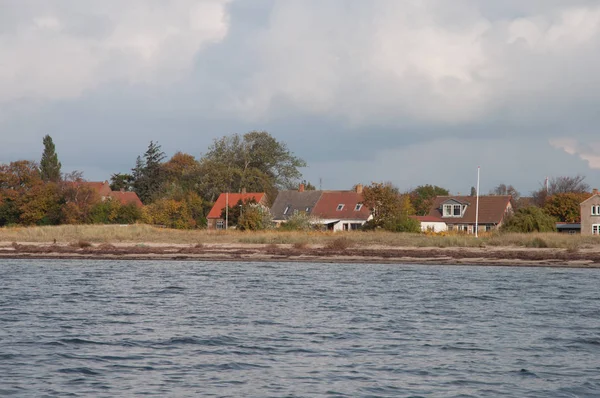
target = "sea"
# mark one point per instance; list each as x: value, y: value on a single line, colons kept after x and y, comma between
x: 72, y: 328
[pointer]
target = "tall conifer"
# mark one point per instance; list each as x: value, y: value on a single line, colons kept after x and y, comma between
x: 49, y: 165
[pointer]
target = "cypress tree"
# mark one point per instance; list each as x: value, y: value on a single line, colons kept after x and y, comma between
x: 49, y: 165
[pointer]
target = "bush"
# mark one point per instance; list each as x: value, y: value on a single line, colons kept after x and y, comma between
x: 300, y: 222
x: 530, y: 219
x: 340, y: 244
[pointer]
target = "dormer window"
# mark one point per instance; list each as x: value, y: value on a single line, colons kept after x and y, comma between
x: 453, y: 210
x: 358, y: 207
x: 340, y: 207
x: 596, y: 210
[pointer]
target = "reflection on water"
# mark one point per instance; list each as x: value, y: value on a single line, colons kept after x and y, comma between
x: 105, y: 329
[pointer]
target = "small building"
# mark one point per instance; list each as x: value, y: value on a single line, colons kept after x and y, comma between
x: 590, y: 215
x: 214, y: 220
x: 459, y: 213
x: 106, y: 193
x: 568, y: 228
x: 126, y: 198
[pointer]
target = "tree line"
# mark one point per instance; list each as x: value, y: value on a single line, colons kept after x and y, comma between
x: 179, y: 191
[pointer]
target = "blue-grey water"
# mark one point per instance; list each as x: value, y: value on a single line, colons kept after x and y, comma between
x: 177, y: 329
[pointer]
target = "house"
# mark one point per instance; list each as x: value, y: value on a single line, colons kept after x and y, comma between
x: 590, y: 215
x: 431, y: 224
x: 105, y: 193
x: 214, y: 219
x: 459, y: 212
x: 126, y: 198
x: 336, y: 210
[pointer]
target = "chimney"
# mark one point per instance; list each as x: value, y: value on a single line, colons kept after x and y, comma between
x: 595, y: 191
x: 359, y: 188
x: 243, y: 191
x: 301, y: 188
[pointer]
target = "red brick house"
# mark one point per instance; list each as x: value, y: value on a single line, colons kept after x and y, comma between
x: 214, y: 219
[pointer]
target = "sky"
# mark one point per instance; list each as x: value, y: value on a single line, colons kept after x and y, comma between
x: 408, y: 91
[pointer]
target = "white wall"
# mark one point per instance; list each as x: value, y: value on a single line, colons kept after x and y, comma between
x: 433, y: 226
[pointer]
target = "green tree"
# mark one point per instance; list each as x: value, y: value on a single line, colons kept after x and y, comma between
x: 237, y: 210
x: 121, y: 181
x: 473, y: 191
x: 255, y: 161
x: 147, y: 173
x: 530, y: 219
x: 422, y: 197
x: 49, y: 165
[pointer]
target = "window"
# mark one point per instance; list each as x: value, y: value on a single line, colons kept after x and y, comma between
x: 488, y: 228
x: 287, y: 208
x: 220, y: 224
x: 308, y: 209
x: 457, y: 211
x: 355, y: 226
x: 465, y: 228
x: 595, y: 229
x: 340, y: 207
x: 450, y: 227
x: 358, y: 207
x: 596, y: 210
x: 447, y: 210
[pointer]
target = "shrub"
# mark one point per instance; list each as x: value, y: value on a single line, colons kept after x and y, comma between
x: 530, y: 219
x: 300, y: 222
x: 340, y: 244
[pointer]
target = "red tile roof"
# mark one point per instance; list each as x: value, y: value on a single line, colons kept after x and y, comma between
x: 327, y: 206
x: 103, y: 188
x: 491, y: 209
x: 220, y: 203
x: 126, y: 198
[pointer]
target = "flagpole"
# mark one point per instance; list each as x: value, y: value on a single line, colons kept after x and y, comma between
x: 226, y: 209
x: 477, y: 206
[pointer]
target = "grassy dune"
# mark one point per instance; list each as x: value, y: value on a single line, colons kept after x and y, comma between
x: 148, y: 234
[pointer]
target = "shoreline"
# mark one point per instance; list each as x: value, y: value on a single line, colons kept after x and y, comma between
x: 365, y: 254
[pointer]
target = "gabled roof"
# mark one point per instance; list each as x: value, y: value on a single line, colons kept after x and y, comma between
x: 591, y: 197
x: 294, y: 201
x: 101, y: 188
x: 233, y: 198
x: 491, y: 209
x: 126, y: 197
x: 327, y: 206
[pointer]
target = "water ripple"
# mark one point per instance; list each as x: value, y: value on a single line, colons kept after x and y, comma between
x: 100, y: 328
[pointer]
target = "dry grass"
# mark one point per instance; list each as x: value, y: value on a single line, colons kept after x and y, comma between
x: 141, y: 234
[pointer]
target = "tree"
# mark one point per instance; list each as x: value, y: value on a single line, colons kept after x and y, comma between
x: 147, y: 173
x: 237, y: 210
x: 388, y: 207
x: 565, y: 206
x: 530, y: 219
x: 422, y: 197
x: 121, y: 181
x: 504, y: 190
x: 79, y: 199
x: 255, y: 161
x: 473, y: 191
x: 49, y: 165
x: 558, y: 185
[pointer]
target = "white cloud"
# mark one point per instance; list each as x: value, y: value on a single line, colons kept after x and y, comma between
x: 55, y: 54
x: 589, y: 152
x: 386, y: 62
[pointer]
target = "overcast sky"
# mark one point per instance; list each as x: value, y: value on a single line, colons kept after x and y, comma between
x: 413, y: 92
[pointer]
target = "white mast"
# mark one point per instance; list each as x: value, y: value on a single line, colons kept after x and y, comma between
x: 477, y: 206
x: 226, y: 209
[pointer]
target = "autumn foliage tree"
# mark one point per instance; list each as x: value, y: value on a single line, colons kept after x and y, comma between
x: 565, y: 206
x: 390, y: 209
x: 422, y: 197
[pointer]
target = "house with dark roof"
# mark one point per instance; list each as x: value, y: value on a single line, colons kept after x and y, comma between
x: 460, y: 212
x: 214, y: 219
x: 336, y: 210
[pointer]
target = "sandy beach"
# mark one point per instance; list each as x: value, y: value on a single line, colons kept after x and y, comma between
x: 376, y: 254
